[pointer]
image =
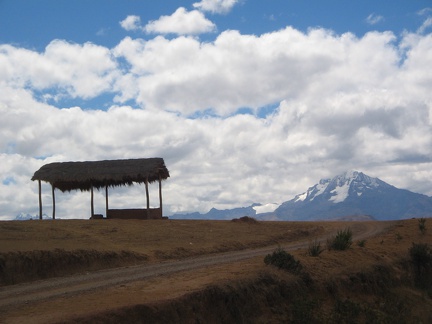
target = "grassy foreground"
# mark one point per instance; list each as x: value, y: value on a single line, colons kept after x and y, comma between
x: 373, y: 281
x: 32, y: 250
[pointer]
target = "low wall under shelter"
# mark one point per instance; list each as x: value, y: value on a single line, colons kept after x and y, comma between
x: 152, y: 213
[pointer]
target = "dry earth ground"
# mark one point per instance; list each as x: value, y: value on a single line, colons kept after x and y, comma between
x: 352, y: 279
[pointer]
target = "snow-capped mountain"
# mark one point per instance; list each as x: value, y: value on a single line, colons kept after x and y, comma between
x: 24, y: 216
x: 354, y: 193
x: 341, y: 187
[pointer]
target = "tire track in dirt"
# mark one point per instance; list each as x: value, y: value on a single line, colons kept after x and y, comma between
x: 37, y: 291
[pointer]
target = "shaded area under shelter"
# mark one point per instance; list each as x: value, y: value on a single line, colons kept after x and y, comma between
x: 85, y: 176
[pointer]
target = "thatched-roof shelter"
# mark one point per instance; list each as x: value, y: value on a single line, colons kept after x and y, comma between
x: 85, y: 176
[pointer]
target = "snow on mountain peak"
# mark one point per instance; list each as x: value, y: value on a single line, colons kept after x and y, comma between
x: 339, y: 188
x: 353, y: 193
x: 314, y: 191
x: 353, y: 182
x: 351, y: 174
x: 342, y: 184
x: 266, y: 208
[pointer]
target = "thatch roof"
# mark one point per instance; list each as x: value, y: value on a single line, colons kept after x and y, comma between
x: 68, y: 176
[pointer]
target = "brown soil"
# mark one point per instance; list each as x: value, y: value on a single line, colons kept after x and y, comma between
x: 208, y: 271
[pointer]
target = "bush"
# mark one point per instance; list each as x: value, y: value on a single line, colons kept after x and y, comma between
x: 283, y: 260
x: 361, y: 243
x: 346, y: 311
x: 245, y: 219
x: 421, y: 255
x: 422, y: 225
x: 315, y: 249
x: 421, y: 258
x: 304, y: 310
x: 341, y: 241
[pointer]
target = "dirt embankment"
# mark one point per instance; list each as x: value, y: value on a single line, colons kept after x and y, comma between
x: 17, y: 267
x: 276, y: 297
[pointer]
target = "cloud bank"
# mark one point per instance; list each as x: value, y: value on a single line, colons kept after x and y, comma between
x: 241, y: 119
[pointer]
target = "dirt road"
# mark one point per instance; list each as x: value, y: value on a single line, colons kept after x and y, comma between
x: 28, y: 293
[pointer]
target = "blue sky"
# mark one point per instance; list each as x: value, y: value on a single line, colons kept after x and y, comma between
x: 261, y: 99
x: 34, y: 24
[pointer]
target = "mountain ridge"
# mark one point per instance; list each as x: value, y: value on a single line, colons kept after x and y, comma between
x: 355, y: 193
x: 350, y: 195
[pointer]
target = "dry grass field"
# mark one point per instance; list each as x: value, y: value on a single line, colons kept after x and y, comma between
x: 373, y: 281
x: 153, y: 239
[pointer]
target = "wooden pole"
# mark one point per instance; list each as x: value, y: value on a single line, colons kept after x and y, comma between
x: 53, y: 198
x: 40, y: 199
x: 91, y: 201
x: 160, y: 195
x: 148, y: 198
x: 106, y: 201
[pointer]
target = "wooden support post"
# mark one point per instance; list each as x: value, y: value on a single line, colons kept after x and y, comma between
x: 40, y: 199
x: 106, y: 201
x: 53, y: 198
x: 160, y: 195
x: 92, y: 202
x: 148, y: 198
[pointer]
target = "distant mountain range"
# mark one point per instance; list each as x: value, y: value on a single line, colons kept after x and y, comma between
x: 349, y: 196
x: 24, y: 216
x: 218, y: 214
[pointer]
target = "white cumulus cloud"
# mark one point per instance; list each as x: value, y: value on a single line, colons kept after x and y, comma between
x: 181, y: 22
x: 131, y: 22
x: 77, y: 70
x: 215, y: 6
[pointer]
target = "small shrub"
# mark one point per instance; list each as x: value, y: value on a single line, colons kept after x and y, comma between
x: 304, y: 310
x: 341, y: 241
x: 398, y: 237
x: 361, y: 243
x: 283, y: 260
x: 315, y: 248
x: 420, y: 254
x: 245, y: 219
x: 332, y: 287
x: 421, y: 258
x: 346, y: 311
x: 307, y: 279
x: 422, y: 225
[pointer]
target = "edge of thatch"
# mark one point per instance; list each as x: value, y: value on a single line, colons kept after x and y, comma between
x: 85, y: 175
